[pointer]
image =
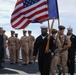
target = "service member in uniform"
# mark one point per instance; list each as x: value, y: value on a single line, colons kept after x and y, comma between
x: 65, y: 44
x: 5, y: 56
x: 12, y: 47
x: 44, y: 56
x: 55, y: 53
x: 17, y: 47
x: 31, y: 45
x: 1, y: 46
x: 24, y: 42
x: 71, y: 52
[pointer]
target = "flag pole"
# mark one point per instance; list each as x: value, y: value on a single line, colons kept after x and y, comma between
x: 49, y: 26
x: 58, y: 14
x: 47, y: 45
x: 50, y: 31
x: 58, y: 22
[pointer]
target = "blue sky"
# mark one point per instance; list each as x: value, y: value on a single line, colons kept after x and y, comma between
x: 67, y: 12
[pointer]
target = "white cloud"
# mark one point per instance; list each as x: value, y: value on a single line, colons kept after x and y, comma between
x: 67, y: 7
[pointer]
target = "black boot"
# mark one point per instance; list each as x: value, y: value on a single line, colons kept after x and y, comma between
x: 60, y: 72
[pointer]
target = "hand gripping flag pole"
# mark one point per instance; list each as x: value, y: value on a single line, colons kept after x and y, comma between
x: 53, y: 14
x: 50, y: 31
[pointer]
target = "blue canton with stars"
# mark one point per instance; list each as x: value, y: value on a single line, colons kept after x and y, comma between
x: 27, y: 3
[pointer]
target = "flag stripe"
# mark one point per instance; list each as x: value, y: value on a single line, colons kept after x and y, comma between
x: 17, y: 20
x: 44, y: 16
x: 30, y: 13
x: 33, y: 14
x: 25, y: 25
x: 37, y: 16
x: 22, y: 15
x: 21, y: 23
x: 22, y: 10
x: 42, y: 12
x: 41, y: 8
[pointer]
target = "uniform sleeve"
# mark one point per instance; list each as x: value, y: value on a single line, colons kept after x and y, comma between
x: 8, y: 42
x: 33, y: 39
x: 75, y: 42
x: 20, y: 41
x: 36, y: 46
x: 6, y: 37
x: 68, y: 41
x: 16, y: 42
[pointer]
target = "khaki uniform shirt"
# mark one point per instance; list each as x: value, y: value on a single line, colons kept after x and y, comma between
x: 11, y: 41
x: 68, y: 42
x: 24, y: 42
x: 17, y: 43
x: 31, y: 41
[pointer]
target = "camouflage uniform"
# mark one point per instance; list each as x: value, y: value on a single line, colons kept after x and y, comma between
x: 12, y: 48
x: 24, y: 42
x: 17, y: 48
x: 31, y: 44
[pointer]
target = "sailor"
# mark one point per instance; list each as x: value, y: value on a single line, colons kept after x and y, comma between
x: 71, y: 51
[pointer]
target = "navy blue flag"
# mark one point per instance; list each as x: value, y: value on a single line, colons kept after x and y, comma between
x: 52, y: 10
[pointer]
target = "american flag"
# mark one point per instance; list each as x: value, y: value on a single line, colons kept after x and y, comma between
x: 28, y: 10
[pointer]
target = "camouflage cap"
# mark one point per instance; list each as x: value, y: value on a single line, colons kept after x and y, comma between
x: 61, y: 27
x: 54, y: 31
